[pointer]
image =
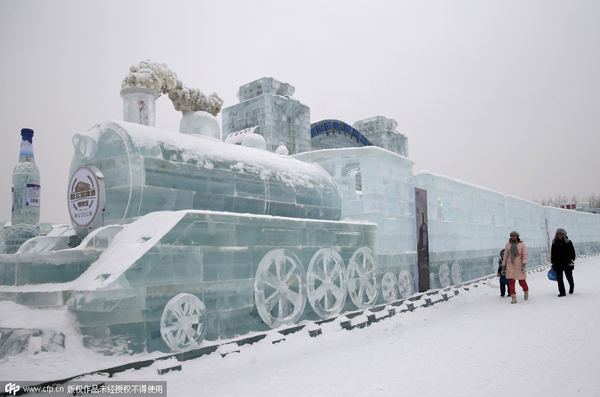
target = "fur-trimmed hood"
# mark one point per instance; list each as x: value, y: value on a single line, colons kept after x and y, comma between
x: 563, y: 232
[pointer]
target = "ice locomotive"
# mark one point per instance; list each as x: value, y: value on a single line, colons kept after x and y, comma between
x: 263, y: 237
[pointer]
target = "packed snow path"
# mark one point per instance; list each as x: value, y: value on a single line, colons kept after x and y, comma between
x: 476, y: 344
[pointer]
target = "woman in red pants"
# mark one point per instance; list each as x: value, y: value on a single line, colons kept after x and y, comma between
x: 514, y: 264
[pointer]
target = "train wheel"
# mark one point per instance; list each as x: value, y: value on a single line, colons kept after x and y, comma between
x: 444, y: 274
x: 406, y: 286
x: 388, y: 287
x: 456, y: 273
x: 182, y: 322
x: 326, y: 283
x: 362, y: 278
x: 280, y: 288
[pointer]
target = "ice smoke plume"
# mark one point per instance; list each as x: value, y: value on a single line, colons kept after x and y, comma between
x: 158, y: 77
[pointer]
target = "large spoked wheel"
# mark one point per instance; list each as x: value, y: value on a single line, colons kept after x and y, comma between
x: 456, y: 273
x: 280, y: 288
x: 362, y: 278
x: 406, y: 286
x: 182, y: 322
x: 444, y: 274
x: 326, y: 283
x: 388, y: 287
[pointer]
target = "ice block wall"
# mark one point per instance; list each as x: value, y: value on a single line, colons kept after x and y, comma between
x: 583, y: 228
x: 469, y: 225
x: 378, y: 186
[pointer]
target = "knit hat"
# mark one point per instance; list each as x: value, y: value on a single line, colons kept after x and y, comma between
x: 514, y: 233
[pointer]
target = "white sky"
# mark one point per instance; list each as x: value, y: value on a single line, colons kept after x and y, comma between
x: 503, y: 94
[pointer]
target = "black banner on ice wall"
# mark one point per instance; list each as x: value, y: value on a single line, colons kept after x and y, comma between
x: 422, y: 239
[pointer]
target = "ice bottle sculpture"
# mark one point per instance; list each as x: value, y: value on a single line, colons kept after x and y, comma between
x: 26, y: 184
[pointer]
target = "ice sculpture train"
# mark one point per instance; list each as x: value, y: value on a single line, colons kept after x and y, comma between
x: 265, y: 237
x: 180, y: 237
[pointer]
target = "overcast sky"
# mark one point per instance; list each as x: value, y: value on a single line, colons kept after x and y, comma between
x: 503, y: 94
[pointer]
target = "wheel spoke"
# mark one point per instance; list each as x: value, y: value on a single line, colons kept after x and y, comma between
x: 271, y: 301
x: 271, y: 281
x: 320, y: 292
x: 370, y: 290
x: 190, y: 334
x: 337, y: 292
x: 170, y: 328
x: 289, y: 273
x: 360, y: 270
x: 293, y: 297
x: 178, y: 312
x: 319, y: 274
x: 326, y: 303
x: 195, y: 319
x: 326, y: 260
x: 336, y: 272
x: 178, y: 335
x: 279, y: 262
x: 186, y: 309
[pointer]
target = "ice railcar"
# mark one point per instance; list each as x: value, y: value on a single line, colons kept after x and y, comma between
x: 230, y: 240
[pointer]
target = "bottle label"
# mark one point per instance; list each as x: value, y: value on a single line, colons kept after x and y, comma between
x: 33, y: 195
x: 26, y: 148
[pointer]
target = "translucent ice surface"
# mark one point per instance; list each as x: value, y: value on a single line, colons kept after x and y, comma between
x: 148, y: 170
x: 238, y: 273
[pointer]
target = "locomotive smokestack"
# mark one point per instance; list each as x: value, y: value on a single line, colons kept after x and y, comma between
x: 139, y: 105
x: 147, y: 80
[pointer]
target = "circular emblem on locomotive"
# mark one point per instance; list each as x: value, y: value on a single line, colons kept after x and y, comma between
x: 86, y: 196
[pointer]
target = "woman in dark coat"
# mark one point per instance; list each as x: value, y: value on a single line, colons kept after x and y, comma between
x: 563, y: 260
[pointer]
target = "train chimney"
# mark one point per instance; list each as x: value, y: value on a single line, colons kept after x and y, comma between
x: 200, y: 123
x: 139, y: 105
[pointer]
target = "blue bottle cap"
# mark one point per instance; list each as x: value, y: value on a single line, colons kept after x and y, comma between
x: 27, y: 134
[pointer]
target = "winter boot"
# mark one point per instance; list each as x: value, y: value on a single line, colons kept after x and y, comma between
x: 526, y: 295
x: 514, y: 298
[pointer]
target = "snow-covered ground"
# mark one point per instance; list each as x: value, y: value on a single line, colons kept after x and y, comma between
x: 477, y: 344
